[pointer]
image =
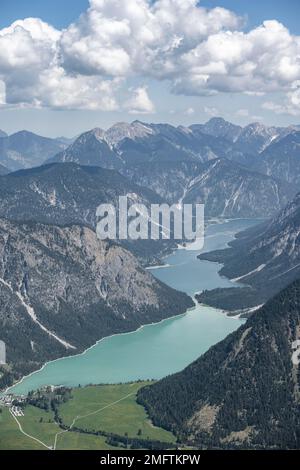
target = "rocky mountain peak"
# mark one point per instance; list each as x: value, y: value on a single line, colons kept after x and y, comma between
x: 219, y: 127
x: 123, y: 130
x: 98, y: 133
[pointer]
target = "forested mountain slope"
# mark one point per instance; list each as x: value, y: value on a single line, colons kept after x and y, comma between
x: 244, y: 392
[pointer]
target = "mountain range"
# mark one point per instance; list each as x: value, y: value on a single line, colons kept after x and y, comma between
x: 269, y: 150
x: 237, y: 172
x: 244, y: 392
x: 233, y: 187
x: 197, y: 141
x: 124, y: 146
x: 25, y: 149
x: 226, y: 188
x: 131, y: 144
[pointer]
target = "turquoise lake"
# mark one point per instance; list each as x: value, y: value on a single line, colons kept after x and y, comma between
x: 155, y: 350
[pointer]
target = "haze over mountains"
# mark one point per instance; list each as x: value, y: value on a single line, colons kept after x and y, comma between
x: 25, y: 149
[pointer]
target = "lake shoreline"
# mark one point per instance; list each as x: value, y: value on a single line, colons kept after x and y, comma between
x: 10, y: 389
x: 25, y: 377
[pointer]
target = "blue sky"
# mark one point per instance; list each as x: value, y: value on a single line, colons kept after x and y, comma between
x: 286, y: 11
x: 166, y: 100
x: 61, y: 12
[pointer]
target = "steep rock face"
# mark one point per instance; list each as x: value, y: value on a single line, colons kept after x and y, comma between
x: 230, y: 190
x: 197, y: 145
x: 227, y: 189
x: 62, y: 289
x: 90, y: 149
x: 25, y: 150
x: 168, y: 179
x: 266, y: 258
x: 244, y: 392
x: 123, y: 130
x: 152, y: 149
x: 255, y: 137
x: 282, y: 159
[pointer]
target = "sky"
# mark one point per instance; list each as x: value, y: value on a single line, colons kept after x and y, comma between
x: 78, y: 64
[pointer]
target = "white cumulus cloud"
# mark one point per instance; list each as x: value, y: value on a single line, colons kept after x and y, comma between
x: 140, y: 103
x: 196, y: 50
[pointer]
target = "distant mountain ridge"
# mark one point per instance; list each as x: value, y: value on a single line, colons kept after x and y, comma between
x: 281, y: 159
x: 25, y: 149
x: 218, y: 127
x: 125, y: 145
x: 129, y: 144
x: 226, y: 188
x: 138, y: 142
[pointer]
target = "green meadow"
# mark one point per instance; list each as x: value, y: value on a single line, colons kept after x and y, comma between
x: 110, y: 409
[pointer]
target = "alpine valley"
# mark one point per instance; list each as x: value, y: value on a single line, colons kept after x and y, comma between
x: 62, y: 289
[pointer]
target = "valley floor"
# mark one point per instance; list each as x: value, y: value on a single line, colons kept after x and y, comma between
x: 99, y: 417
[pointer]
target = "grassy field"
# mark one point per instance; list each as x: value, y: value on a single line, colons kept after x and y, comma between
x: 107, y: 408
x: 10, y: 436
x: 114, y: 410
x: 39, y: 424
x: 74, y: 440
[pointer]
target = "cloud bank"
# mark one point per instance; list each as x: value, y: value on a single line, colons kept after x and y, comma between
x: 197, y: 51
